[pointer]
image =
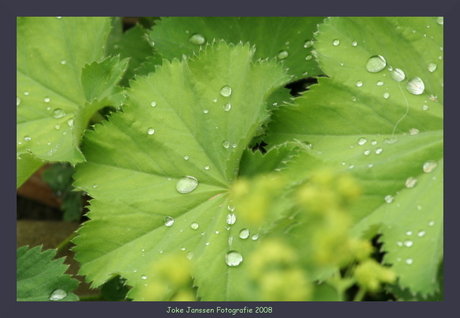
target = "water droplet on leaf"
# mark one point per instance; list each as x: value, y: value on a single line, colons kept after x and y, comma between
x: 151, y: 131
x: 233, y: 258
x: 415, y: 86
x: 186, y: 184
x: 197, y: 39
x: 226, y: 91
x: 376, y: 63
x: 362, y: 141
x: 359, y: 83
x: 283, y: 54
x: 244, y: 234
x: 58, y: 113
x: 335, y: 42
x: 428, y: 166
x: 226, y: 144
x: 231, y: 218
x: 227, y: 107
x: 194, y: 225
x: 169, y: 221
x: 411, y: 182
x: 398, y: 75
x: 389, y: 198
x: 153, y: 104
x: 58, y: 294
x: 432, y: 67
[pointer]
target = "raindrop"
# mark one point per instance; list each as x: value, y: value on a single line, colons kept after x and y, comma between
x: 227, y: 107
x: 186, y: 184
x: 190, y: 255
x: 234, y: 145
x: 194, y: 225
x: 408, y: 243
x: 425, y: 107
x: 389, y: 198
x: 58, y: 294
x: 58, y: 113
x: 27, y: 138
x: 411, y: 182
x: 398, y: 75
x: 231, y: 218
x: 217, y: 232
x: 206, y: 167
x: 335, y: 42
x: 440, y: 20
x: 359, y: 83
x: 373, y: 142
x: 186, y: 157
x: 169, y: 221
x: 308, y: 57
x: 308, y: 44
x: 432, y: 67
x: 409, y: 261
x: 182, y: 248
x: 370, y: 165
x: 421, y: 233
x: 197, y: 39
x: 18, y: 101
x: 362, y: 141
x: 380, y: 83
x: 70, y: 122
x: 354, y: 43
x: 226, y: 91
x: 413, y: 131
x: 378, y: 151
x: 226, y: 144
x: 151, y: 131
x: 409, y: 233
x: 367, y: 152
x: 95, y: 186
x: 386, y: 95
x: 415, y: 86
x: 431, y: 223
x: 206, y: 111
x: 46, y: 99
x: 144, y: 277
x: 230, y: 240
x: 376, y: 63
x: 390, y: 141
x: 428, y: 166
x: 63, y: 62
x: 244, y: 234
x: 399, y: 243
x: 233, y: 258
x: 283, y: 54
x: 26, y: 93
x: 153, y: 104
x: 231, y: 208
x: 254, y: 237
x: 351, y: 166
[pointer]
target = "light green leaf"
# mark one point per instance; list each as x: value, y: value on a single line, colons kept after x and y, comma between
x: 287, y: 39
x: 364, y: 121
x: 40, y: 278
x: 51, y: 53
x: 174, y: 126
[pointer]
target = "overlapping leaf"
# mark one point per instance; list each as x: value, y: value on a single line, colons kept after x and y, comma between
x: 365, y: 120
x: 51, y: 93
x: 40, y: 278
x: 189, y: 119
x: 287, y: 39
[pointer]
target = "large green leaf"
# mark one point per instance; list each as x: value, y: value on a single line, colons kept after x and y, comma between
x: 287, y: 39
x: 40, y: 278
x: 52, y: 88
x: 365, y: 120
x: 160, y: 171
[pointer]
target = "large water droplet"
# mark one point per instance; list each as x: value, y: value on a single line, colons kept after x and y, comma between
x: 58, y: 294
x: 389, y: 198
x: 432, y: 67
x: 233, y: 258
x: 226, y: 144
x: 244, y: 234
x: 386, y: 95
x: 367, y: 152
x: 169, y: 221
x: 411, y: 182
x: 227, y: 107
x: 378, y: 151
x: 308, y: 44
x: 194, y: 225
x: 186, y: 184
x: 354, y: 43
x: 151, y: 131
x: 226, y: 91
x: 335, y: 42
x: 231, y: 218
x: 359, y: 83
x: 429, y: 166
x: 440, y: 20
x: 197, y: 39
x: 255, y: 237
x: 415, y: 86
x: 362, y: 141
x: 376, y: 63
x: 283, y: 54
x: 58, y: 113
x: 398, y: 75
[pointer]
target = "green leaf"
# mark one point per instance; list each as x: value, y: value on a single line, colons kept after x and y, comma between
x: 51, y: 53
x: 174, y: 125
x: 132, y: 44
x: 283, y: 38
x: 372, y: 126
x: 40, y: 278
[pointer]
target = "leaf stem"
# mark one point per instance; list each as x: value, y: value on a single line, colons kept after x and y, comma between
x: 65, y: 242
x: 360, y: 295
